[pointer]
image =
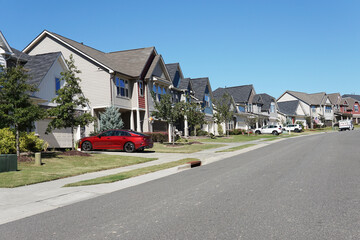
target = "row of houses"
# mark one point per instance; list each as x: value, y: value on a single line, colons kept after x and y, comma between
x: 125, y: 79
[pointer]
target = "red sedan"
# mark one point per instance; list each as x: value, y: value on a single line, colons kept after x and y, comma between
x: 128, y: 141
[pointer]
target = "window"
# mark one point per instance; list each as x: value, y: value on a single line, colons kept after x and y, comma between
x: 206, y: 100
x: 159, y: 93
x: 272, y: 108
x: 57, y: 85
x: 328, y: 109
x: 141, y: 88
x: 313, y: 109
x: 249, y: 108
x: 241, y: 108
x: 356, y: 108
x: 154, y: 88
x: 164, y: 91
x: 122, y: 87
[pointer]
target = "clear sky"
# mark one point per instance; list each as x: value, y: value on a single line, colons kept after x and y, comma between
x: 276, y: 45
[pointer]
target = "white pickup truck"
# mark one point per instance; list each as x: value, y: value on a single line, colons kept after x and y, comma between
x: 345, y: 125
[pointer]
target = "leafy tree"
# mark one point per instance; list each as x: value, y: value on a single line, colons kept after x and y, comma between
x: 194, y: 114
x: 16, y: 108
x: 69, y: 100
x: 111, y: 119
x: 223, y: 111
x: 167, y: 111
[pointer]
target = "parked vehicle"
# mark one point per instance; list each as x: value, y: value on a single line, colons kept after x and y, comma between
x: 270, y: 129
x: 346, y: 125
x: 293, y: 128
x: 128, y: 141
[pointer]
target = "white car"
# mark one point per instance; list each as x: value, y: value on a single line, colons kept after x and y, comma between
x: 270, y: 129
x: 293, y: 128
x: 345, y: 125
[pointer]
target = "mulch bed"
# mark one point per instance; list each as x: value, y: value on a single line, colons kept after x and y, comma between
x: 25, y: 158
x: 75, y: 153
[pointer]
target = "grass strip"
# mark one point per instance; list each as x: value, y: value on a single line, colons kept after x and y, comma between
x: 64, y: 166
x: 162, y: 148
x: 237, y: 148
x: 130, y: 174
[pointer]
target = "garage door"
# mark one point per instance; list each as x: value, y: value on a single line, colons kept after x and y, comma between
x: 59, y: 138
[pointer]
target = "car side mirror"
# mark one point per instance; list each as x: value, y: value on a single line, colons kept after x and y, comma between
x: 99, y: 136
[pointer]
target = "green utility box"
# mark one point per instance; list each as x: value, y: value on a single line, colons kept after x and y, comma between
x: 8, y: 162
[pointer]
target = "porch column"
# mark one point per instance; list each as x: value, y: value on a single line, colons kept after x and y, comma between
x: 257, y: 124
x: 132, y: 120
x: 170, y: 132
x: 138, y: 126
x: 186, y: 127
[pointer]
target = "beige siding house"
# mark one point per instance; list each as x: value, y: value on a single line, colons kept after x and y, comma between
x: 114, y: 78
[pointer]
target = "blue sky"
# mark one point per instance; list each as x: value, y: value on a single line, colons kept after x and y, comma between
x: 276, y: 45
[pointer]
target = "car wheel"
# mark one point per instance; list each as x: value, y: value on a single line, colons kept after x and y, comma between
x: 86, y: 146
x: 296, y: 130
x: 258, y: 132
x: 129, y: 147
x: 275, y: 133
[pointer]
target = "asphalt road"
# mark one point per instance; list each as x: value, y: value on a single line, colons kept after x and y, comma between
x: 304, y: 188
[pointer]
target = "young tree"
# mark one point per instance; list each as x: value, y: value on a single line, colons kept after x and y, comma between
x: 111, y: 119
x: 223, y: 111
x: 16, y: 108
x: 167, y: 111
x: 194, y: 114
x: 69, y: 100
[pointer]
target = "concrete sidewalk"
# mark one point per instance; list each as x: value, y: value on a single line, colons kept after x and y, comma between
x: 20, y: 202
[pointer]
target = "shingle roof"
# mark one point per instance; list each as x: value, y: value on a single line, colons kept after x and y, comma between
x: 257, y: 99
x: 20, y: 55
x: 199, y: 87
x: 39, y: 65
x: 334, y: 98
x: 172, y: 68
x: 129, y: 62
x: 240, y: 94
x: 350, y: 101
x: 311, y: 99
x: 184, y: 83
x: 357, y: 97
x: 288, y: 107
x: 266, y: 100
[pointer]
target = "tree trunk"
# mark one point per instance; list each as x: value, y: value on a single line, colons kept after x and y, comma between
x: 17, y: 141
x: 72, y: 138
x: 195, y: 131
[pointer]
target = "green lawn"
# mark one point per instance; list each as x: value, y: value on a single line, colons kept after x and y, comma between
x: 64, y: 166
x: 237, y: 148
x: 162, y: 148
x: 235, y: 138
x: 130, y: 174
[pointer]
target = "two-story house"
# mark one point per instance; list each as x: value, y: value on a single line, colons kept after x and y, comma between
x: 123, y: 79
x: 337, y: 104
x: 351, y: 107
x: 316, y: 105
x: 269, y: 108
x: 248, y: 106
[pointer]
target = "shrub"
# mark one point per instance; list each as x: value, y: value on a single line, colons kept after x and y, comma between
x: 220, y: 130
x: 158, y: 136
x: 7, y: 141
x: 201, y: 133
x: 31, y: 143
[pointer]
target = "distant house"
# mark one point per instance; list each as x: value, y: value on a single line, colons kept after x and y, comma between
x: 123, y: 79
x: 269, y: 108
x: 316, y: 105
x: 351, y: 107
x: 248, y: 106
x: 338, y: 104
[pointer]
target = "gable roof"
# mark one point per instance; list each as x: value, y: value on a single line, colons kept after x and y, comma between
x: 310, y: 99
x: 172, y: 68
x: 128, y: 62
x: 39, y: 65
x: 240, y: 94
x: 266, y: 101
x: 199, y: 87
x: 184, y: 83
x: 357, y: 97
x: 257, y: 99
x: 4, y: 44
x: 349, y: 101
x: 289, y: 107
x: 334, y: 98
